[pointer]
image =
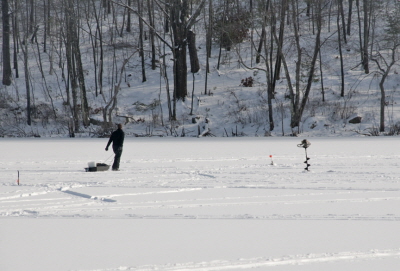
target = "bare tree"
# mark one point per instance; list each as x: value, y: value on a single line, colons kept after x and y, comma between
x: 297, y: 102
x: 339, y: 30
x: 387, y: 57
x: 99, y: 37
x: 263, y: 36
x: 279, y: 41
x: 181, y: 22
x: 75, y: 67
x: 112, y: 103
x: 24, y: 41
x: 209, y: 34
x: 267, y: 56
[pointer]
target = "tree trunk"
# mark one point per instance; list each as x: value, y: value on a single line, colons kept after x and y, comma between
x: 295, y: 96
x: 278, y: 62
x: 128, y: 23
x: 208, y: 43
x: 76, y: 55
x: 383, y: 103
x: 317, y: 48
x: 349, y: 17
x: 262, y: 38
x: 31, y: 16
x: 194, y: 60
x: 221, y: 33
x: 28, y: 89
x: 16, y: 44
x: 94, y: 44
x: 209, y: 31
x: 340, y: 55
x: 180, y: 68
x: 45, y: 19
x: 366, y: 36
x: 179, y: 13
x: 71, y: 65
x: 270, y: 94
x: 100, y: 38
x: 151, y: 31
x: 141, y: 51
x: 82, y: 86
x: 341, y: 9
x: 7, y: 72
x: 322, y: 77
x: 360, y: 32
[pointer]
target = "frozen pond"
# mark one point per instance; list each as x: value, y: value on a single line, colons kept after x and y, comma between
x: 201, y: 204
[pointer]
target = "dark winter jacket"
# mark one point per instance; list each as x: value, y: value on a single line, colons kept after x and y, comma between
x: 117, y: 138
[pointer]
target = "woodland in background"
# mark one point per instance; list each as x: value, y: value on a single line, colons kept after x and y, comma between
x: 66, y: 40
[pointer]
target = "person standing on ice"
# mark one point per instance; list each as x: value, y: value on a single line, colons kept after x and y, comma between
x: 117, y: 138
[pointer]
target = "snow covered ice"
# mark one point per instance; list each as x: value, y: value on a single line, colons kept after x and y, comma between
x: 201, y: 204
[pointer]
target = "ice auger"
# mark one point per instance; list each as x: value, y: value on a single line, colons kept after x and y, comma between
x: 305, y: 144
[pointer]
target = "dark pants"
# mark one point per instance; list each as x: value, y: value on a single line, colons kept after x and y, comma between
x: 118, y: 152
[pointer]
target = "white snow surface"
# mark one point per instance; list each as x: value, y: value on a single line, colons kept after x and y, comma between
x: 201, y: 204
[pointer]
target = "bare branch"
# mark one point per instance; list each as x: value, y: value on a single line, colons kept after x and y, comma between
x: 144, y: 21
x: 193, y: 17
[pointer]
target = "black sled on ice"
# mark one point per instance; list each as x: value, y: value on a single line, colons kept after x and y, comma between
x: 93, y: 167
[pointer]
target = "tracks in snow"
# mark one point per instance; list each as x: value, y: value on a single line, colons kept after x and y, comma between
x: 204, y: 203
x: 247, y: 264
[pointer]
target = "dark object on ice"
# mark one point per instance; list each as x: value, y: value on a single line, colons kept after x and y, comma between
x: 305, y: 144
x: 98, y: 167
x: 102, y: 167
x: 355, y: 120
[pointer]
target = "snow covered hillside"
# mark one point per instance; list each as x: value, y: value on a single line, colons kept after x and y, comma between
x: 231, y: 108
